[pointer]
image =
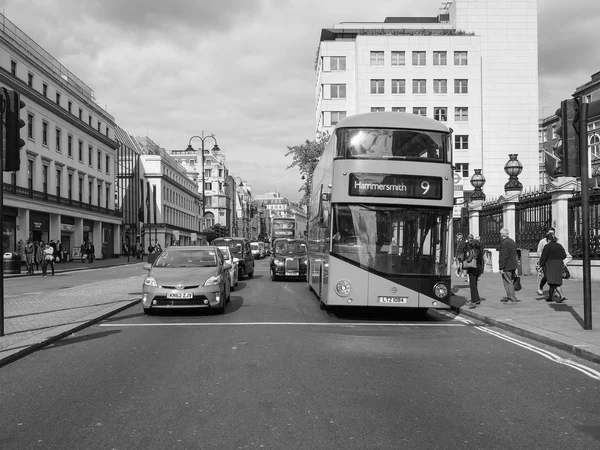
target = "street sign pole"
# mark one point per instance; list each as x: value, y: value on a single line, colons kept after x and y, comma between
x: 2, y: 110
x: 585, y: 214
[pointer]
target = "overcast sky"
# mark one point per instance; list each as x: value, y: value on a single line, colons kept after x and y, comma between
x: 243, y: 70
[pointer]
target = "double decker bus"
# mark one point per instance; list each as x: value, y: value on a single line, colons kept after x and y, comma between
x: 283, y: 227
x: 381, y: 213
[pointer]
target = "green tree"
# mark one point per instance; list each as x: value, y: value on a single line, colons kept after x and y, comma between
x: 305, y: 158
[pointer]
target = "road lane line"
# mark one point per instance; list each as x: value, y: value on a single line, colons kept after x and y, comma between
x: 545, y: 353
x: 227, y: 324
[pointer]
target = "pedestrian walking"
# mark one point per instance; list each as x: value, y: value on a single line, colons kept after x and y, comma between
x: 58, y: 253
x: 91, y: 252
x: 541, y: 277
x: 473, y: 263
x: 552, y: 262
x: 48, y: 259
x: 508, y: 265
x: 29, y: 256
x: 84, y: 251
x: 39, y: 254
x: 459, y: 255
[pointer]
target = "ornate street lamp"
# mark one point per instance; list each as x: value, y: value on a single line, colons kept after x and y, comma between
x: 477, y: 181
x: 513, y: 168
x: 215, y: 149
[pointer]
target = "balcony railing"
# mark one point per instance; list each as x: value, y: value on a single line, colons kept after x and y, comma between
x: 24, y: 192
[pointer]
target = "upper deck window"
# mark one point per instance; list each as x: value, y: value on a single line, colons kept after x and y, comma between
x: 384, y: 143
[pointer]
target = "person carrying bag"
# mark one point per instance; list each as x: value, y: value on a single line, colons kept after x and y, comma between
x: 473, y: 266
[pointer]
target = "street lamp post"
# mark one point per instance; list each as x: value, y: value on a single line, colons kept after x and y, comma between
x: 215, y: 149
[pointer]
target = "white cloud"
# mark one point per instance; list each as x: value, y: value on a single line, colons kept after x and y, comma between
x: 243, y: 70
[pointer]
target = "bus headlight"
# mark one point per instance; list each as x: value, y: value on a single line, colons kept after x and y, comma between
x: 440, y: 290
x: 343, y: 288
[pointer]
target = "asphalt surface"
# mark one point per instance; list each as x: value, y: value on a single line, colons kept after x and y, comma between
x: 277, y: 372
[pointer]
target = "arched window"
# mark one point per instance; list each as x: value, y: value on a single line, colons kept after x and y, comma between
x: 209, y: 219
x: 595, y: 146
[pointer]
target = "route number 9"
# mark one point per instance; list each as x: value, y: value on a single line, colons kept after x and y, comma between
x: 425, y: 186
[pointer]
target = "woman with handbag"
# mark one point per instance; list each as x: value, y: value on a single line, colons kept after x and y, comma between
x: 48, y: 259
x: 473, y: 265
x: 552, y: 262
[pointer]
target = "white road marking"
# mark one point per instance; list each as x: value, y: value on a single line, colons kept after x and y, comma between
x: 545, y: 353
x: 228, y: 324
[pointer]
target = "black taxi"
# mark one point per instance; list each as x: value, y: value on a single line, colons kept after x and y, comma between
x: 289, y: 258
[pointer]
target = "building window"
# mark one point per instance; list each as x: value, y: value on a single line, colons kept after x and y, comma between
x: 440, y: 114
x: 377, y: 86
x: 90, y: 155
x: 398, y: 86
x: 45, y: 133
x: 58, y: 140
x: 376, y: 58
x: 554, y: 135
x: 440, y: 86
x: 99, y: 160
x: 461, y: 86
x: 419, y: 87
x: 80, y: 151
x: 13, y: 67
x: 70, y: 186
x: 70, y: 146
x: 30, y: 126
x: 80, y: 114
x: 30, y: 174
x: 108, y: 164
x: 90, y: 190
x: 45, y: 179
x: 58, y: 98
x: 338, y: 91
x: 440, y: 58
x: 336, y: 116
x: 595, y: 146
x: 99, y: 125
x: 90, y: 120
x: 462, y: 169
x: 461, y: 141
x: 106, y: 131
x: 418, y: 58
x: 45, y: 90
x: 461, y: 114
x: 13, y: 178
x: 69, y: 105
x: 460, y: 58
x: 30, y: 79
x: 377, y: 109
x: 398, y: 58
x: 337, y: 63
x: 106, y: 200
x: 420, y: 111
x: 81, y: 189
x: 58, y: 181
x: 398, y: 109
x: 99, y: 194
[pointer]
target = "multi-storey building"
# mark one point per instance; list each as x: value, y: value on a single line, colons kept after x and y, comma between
x: 473, y: 67
x: 172, y: 204
x: 64, y: 190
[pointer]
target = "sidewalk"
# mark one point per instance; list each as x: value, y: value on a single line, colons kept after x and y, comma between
x: 35, y: 321
x: 559, y: 325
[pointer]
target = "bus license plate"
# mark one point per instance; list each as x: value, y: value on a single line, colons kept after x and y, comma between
x: 180, y: 295
x: 292, y: 273
x: 393, y: 299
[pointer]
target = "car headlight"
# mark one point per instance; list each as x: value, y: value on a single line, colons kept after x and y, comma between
x: 150, y: 281
x: 343, y: 288
x: 213, y: 280
x: 440, y: 290
x: 278, y: 262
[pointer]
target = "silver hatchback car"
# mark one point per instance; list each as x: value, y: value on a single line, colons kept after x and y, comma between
x: 187, y: 277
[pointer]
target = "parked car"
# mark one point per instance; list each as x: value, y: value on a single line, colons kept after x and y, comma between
x: 233, y: 272
x: 187, y: 277
x: 289, y: 258
x: 240, y: 249
x: 255, y: 250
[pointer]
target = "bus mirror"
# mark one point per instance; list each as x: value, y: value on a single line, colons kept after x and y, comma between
x: 325, y: 218
x: 325, y: 196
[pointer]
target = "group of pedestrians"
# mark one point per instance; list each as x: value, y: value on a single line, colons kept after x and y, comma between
x: 550, y: 266
x: 40, y: 253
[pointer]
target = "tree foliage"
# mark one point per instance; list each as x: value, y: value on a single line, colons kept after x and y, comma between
x: 305, y: 158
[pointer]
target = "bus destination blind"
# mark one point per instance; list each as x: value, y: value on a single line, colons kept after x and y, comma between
x: 395, y: 186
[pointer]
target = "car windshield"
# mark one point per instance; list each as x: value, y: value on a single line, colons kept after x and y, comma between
x: 187, y: 258
x: 225, y: 251
x: 235, y: 247
x: 290, y: 248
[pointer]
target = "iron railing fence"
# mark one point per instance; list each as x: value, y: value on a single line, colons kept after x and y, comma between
x: 575, y: 221
x: 532, y: 219
x: 491, y: 221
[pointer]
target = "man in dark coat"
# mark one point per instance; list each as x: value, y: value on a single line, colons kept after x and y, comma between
x: 508, y: 265
x: 552, y: 262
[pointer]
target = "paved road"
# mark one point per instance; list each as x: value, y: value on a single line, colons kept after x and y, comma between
x: 277, y: 372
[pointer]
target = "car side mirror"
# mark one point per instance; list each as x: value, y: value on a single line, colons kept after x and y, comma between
x: 227, y: 266
x: 147, y: 266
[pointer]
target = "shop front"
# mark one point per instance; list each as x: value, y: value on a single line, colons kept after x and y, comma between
x: 108, y: 240
x: 9, y: 229
x: 39, y: 226
x: 67, y: 233
x: 88, y: 231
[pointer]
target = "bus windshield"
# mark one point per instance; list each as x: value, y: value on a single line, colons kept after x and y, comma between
x: 384, y: 143
x: 406, y: 242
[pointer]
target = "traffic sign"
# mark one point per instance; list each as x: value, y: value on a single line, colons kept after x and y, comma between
x: 457, y: 178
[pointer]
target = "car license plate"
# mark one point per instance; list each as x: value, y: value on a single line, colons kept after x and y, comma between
x: 292, y: 273
x: 393, y: 299
x: 180, y: 295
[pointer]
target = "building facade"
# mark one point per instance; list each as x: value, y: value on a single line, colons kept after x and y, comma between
x: 473, y: 67
x: 64, y: 190
x: 278, y: 206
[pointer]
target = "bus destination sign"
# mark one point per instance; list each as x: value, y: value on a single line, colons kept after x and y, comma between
x: 395, y: 186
